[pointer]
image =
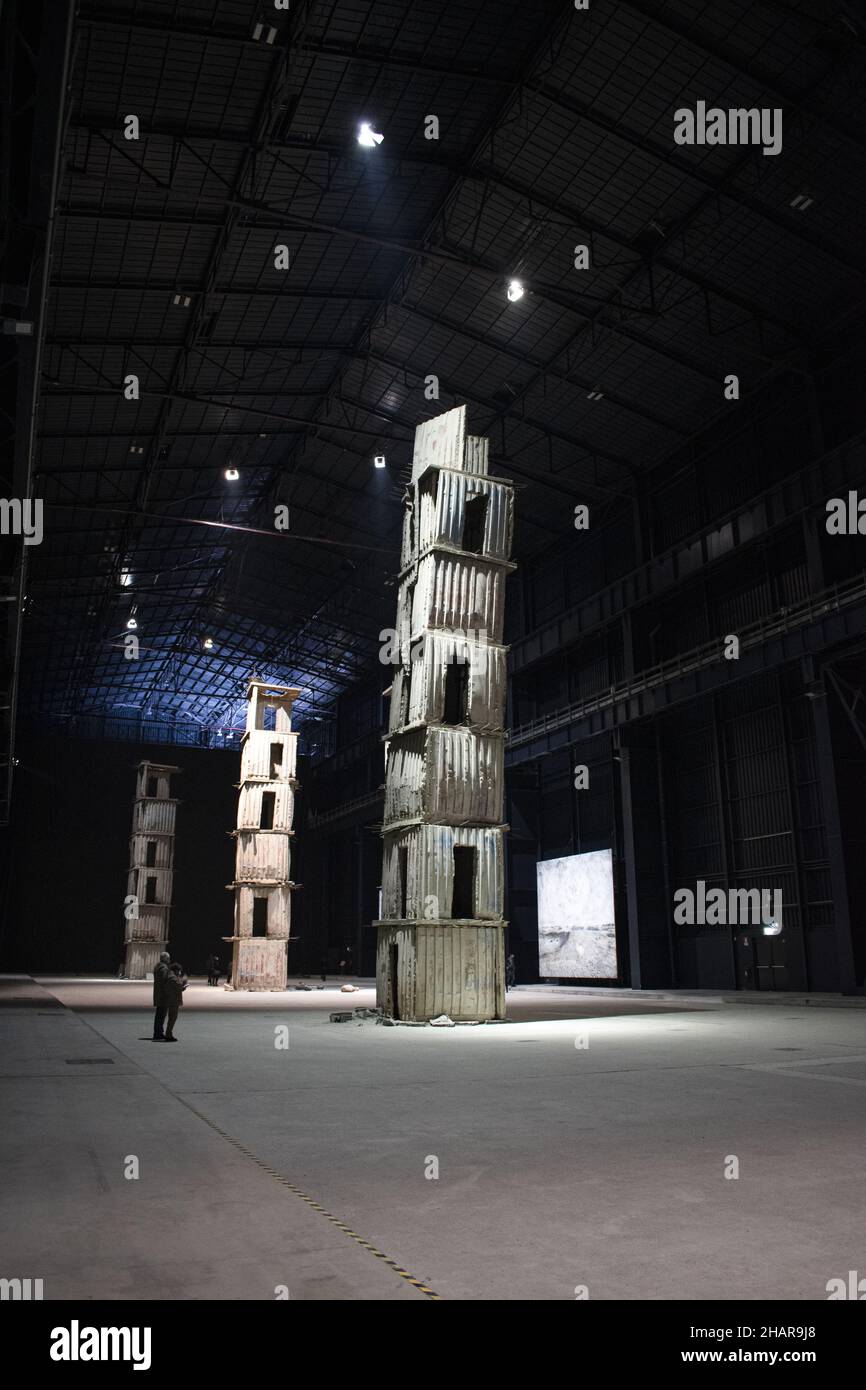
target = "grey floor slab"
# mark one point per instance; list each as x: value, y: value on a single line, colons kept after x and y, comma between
x: 585, y: 1152
x: 201, y: 1221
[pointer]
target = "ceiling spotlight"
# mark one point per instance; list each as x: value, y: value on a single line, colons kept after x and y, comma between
x: 125, y: 579
x: 232, y: 475
x: 801, y: 202
x: 182, y: 300
x: 266, y: 30
x: 379, y: 461
x: 368, y: 137
x: 131, y: 624
x: 515, y: 291
x: 208, y: 644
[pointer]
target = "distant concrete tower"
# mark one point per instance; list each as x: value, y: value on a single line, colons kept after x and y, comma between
x: 266, y: 806
x: 441, y: 939
x: 151, y: 869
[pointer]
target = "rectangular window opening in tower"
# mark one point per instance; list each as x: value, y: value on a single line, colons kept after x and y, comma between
x: 266, y: 819
x: 463, y: 898
x: 456, y: 702
x: 402, y: 876
x: 407, y: 693
x: 474, y: 522
x: 260, y: 916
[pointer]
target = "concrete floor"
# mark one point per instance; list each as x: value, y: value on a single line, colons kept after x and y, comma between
x: 560, y: 1165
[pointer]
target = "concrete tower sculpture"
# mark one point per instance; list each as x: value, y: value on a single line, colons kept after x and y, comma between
x: 441, y: 938
x: 151, y: 869
x: 266, y: 805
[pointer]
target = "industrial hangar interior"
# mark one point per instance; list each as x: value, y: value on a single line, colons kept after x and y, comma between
x: 435, y: 627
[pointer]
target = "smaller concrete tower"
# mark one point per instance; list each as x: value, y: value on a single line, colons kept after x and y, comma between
x: 151, y: 869
x: 266, y: 806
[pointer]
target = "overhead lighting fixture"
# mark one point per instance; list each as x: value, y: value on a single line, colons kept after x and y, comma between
x: 802, y: 202
x: 515, y: 291
x: 125, y: 579
x: 183, y: 300
x: 595, y: 394
x: 232, y: 475
x: 267, y: 30
x: 208, y: 644
x: 368, y: 137
x: 131, y: 624
x: 379, y: 461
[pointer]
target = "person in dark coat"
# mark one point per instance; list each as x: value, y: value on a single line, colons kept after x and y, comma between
x: 175, y: 984
x: 161, y: 971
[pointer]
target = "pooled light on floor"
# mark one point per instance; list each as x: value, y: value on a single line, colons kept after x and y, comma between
x: 515, y: 291
x: 232, y: 475
x: 379, y: 461
x: 368, y: 137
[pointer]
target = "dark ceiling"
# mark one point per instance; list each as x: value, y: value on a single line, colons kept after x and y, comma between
x: 555, y: 129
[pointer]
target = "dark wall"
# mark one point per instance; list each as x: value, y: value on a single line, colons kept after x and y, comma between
x: 69, y: 852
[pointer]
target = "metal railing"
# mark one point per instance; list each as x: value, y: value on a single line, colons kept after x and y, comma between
x: 796, y: 615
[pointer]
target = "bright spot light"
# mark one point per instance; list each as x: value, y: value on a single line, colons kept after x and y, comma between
x: 515, y: 291
x: 368, y: 137
x: 125, y: 579
x: 379, y: 461
x: 232, y: 475
x: 208, y: 644
x: 131, y: 624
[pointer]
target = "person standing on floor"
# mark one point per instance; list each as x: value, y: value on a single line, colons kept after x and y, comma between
x: 175, y: 984
x: 160, y: 1001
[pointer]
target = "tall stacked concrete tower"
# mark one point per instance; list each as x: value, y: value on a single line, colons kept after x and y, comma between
x: 441, y: 939
x: 151, y: 869
x: 266, y: 807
